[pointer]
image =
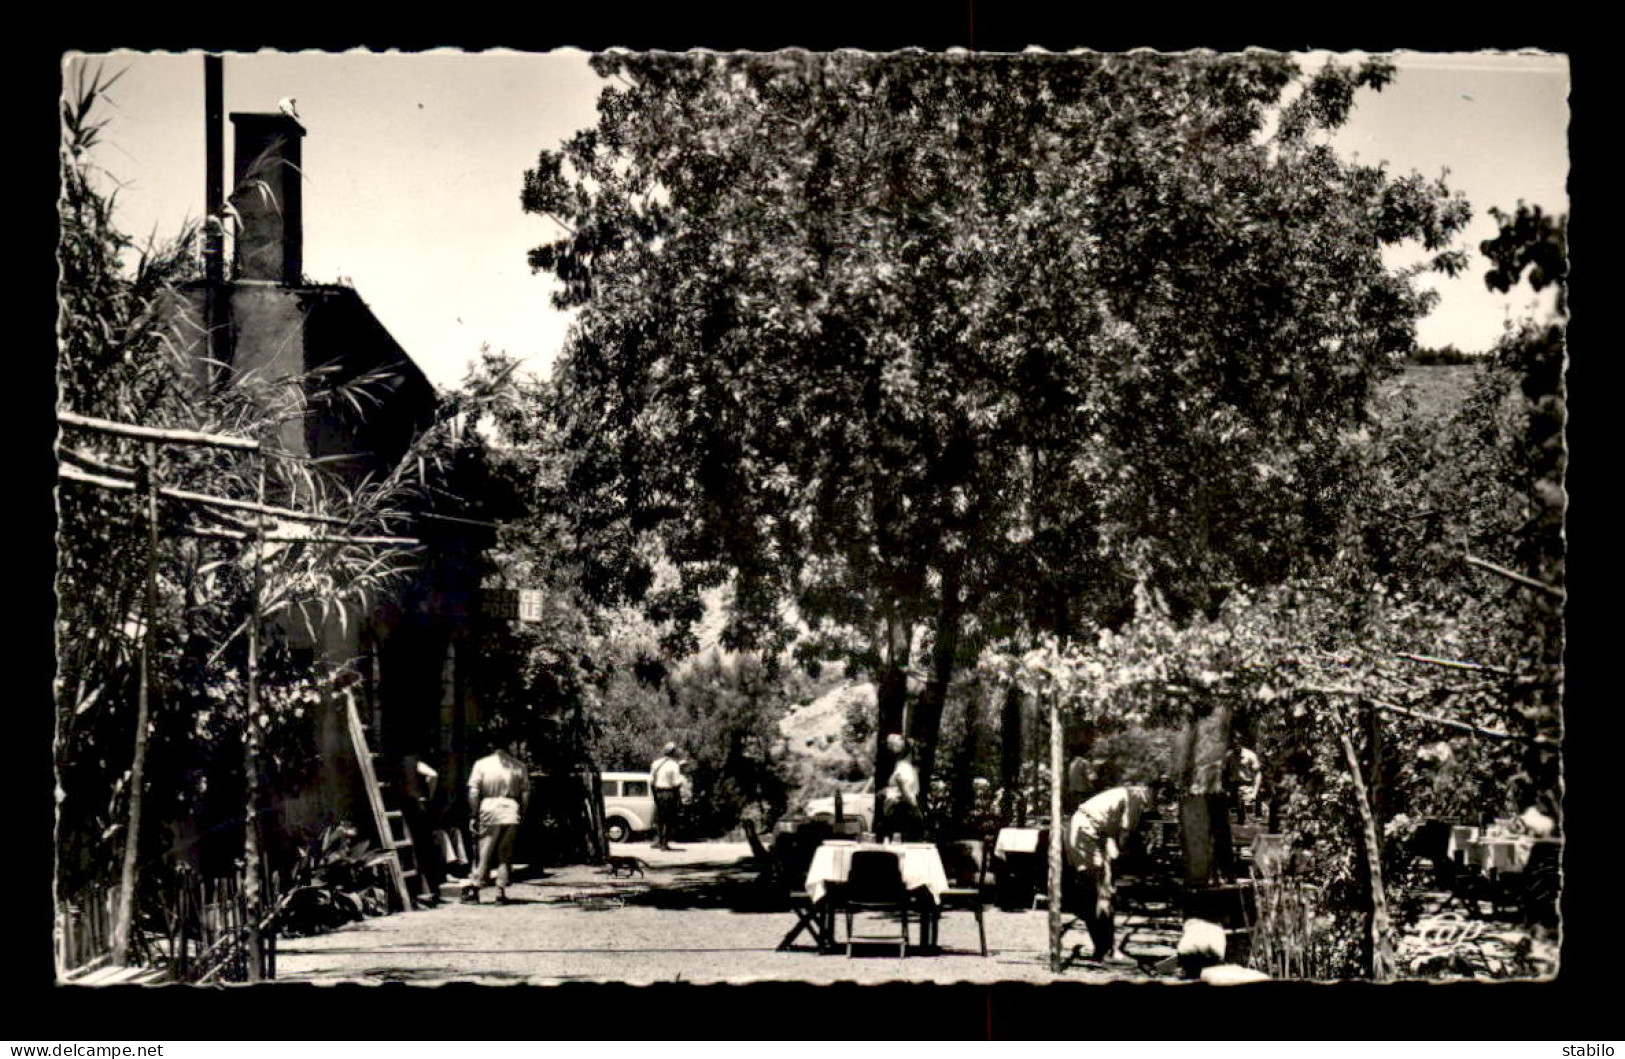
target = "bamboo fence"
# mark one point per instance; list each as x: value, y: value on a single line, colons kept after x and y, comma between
x: 195, y: 929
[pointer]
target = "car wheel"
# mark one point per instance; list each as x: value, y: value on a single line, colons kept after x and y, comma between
x: 617, y: 830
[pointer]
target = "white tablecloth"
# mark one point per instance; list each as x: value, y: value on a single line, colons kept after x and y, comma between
x: 1502, y: 854
x: 1016, y: 840
x: 1461, y: 837
x: 921, y: 865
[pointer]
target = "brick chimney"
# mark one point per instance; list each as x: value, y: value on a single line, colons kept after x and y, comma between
x: 268, y: 197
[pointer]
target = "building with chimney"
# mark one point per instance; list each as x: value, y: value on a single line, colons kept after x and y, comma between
x: 258, y: 315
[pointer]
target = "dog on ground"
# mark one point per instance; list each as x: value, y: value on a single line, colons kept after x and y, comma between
x: 628, y: 866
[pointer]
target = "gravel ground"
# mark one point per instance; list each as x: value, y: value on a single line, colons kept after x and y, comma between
x: 695, y: 916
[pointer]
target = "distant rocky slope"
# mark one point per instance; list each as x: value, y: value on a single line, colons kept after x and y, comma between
x: 815, y: 753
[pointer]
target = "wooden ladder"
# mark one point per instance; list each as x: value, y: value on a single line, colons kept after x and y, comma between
x: 391, y: 823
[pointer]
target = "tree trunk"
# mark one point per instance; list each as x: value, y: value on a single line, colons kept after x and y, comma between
x: 1199, y: 771
x: 1374, y: 716
x: 124, y: 917
x: 1057, y: 833
x: 891, y: 693
x: 962, y: 784
x: 1080, y: 782
x: 926, y: 727
x: 1010, y: 754
x: 1382, y: 957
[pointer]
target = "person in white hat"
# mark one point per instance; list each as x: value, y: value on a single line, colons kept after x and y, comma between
x: 666, y: 777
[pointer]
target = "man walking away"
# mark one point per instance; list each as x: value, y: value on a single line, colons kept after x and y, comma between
x: 498, y: 795
x: 666, y: 777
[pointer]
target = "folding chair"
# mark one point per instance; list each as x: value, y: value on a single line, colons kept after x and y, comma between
x: 965, y: 863
x: 775, y: 876
x: 875, y: 884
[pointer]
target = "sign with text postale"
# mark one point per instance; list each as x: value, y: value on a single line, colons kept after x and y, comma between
x: 530, y: 604
x: 501, y: 603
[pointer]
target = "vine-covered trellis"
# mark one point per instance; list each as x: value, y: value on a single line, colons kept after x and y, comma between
x: 217, y: 518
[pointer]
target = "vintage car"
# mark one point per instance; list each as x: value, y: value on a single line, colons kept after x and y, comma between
x: 857, y: 803
x: 629, y: 804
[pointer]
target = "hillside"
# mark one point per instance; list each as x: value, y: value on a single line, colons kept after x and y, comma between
x: 815, y: 755
x: 1437, y: 390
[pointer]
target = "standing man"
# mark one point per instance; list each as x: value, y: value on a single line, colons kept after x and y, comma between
x: 666, y: 777
x: 903, y: 815
x: 1245, y: 776
x: 1093, y: 840
x: 420, y: 785
x: 498, y: 795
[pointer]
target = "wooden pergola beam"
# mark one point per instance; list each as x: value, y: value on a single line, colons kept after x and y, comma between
x: 175, y: 437
x: 285, y: 538
x: 74, y: 474
x: 1378, y: 704
x: 1513, y: 575
x: 291, y: 515
x: 1450, y: 663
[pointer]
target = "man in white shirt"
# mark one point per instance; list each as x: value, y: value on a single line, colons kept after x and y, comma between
x: 498, y: 795
x: 1094, y: 839
x: 666, y: 778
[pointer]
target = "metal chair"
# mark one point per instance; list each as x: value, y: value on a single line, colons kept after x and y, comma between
x: 875, y: 884
x: 965, y: 862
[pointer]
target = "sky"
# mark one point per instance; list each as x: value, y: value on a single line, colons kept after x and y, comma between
x: 414, y: 163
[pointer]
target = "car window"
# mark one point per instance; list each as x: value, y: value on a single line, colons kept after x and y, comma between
x: 612, y: 788
x: 635, y: 789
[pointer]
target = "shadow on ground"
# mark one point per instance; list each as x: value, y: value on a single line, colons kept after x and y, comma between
x: 431, y: 974
x: 727, y: 885
x: 735, y: 886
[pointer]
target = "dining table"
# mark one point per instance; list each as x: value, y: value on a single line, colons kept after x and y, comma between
x: 1509, y: 861
x: 1461, y: 838
x: 1507, y: 852
x: 1018, y: 840
x: 919, y: 862
x: 921, y: 865
x: 1018, y: 864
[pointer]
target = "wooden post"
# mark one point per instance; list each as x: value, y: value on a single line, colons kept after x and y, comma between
x: 1382, y: 960
x: 124, y: 918
x: 252, y: 883
x: 214, y: 181
x: 1376, y: 765
x: 1057, y: 832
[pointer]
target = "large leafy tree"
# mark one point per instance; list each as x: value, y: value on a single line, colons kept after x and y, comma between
x: 921, y: 351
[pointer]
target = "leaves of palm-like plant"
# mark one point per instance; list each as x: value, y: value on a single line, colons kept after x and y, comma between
x: 125, y: 353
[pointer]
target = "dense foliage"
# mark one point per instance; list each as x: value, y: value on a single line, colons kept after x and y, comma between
x: 915, y: 353
x: 1002, y: 380
x: 588, y: 683
x: 1432, y: 639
